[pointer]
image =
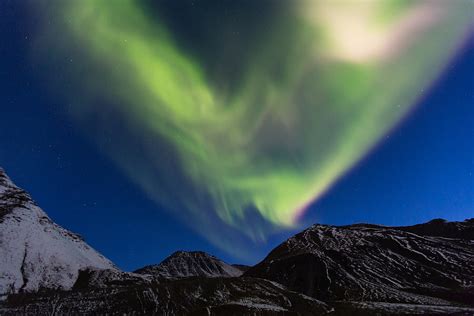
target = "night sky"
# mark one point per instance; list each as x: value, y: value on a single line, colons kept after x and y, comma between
x: 422, y: 169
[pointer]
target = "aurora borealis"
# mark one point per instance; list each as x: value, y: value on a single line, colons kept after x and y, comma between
x: 238, y: 122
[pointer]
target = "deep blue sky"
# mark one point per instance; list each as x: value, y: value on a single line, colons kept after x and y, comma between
x: 422, y: 170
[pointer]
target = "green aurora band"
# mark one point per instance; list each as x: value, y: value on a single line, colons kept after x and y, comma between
x: 266, y: 123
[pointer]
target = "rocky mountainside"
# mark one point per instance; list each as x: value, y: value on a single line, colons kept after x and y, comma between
x: 182, y: 264
x: 45, y: 269
x: 360, y: 269
x: 35, y: 252
x: 371, y: 263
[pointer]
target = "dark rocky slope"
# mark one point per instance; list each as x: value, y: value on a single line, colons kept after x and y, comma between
x: 375, y: 263
x: 190, y: 296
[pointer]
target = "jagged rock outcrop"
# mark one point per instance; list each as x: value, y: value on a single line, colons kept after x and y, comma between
x: 183, y: 264
x: 35, y: 252
x: 375, y: 263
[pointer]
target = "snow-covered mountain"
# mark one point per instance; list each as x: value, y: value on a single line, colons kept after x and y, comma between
x: 366, y: 262
x: 35, y: 252
x: 183, y: 264
x: 359, y: 269
x: 45, y: 269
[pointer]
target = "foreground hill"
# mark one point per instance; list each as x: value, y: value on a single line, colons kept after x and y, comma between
x: 190, y: 296
x: 377, y: 264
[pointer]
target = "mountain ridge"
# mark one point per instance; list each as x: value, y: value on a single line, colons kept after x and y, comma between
x: 359, y: 269
x: 373, y: 263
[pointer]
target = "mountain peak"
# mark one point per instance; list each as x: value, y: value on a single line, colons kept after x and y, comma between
x: 35, y: 252
x: 182, y: 264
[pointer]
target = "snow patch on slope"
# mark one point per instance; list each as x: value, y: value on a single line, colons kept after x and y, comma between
x: 35, y: 252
